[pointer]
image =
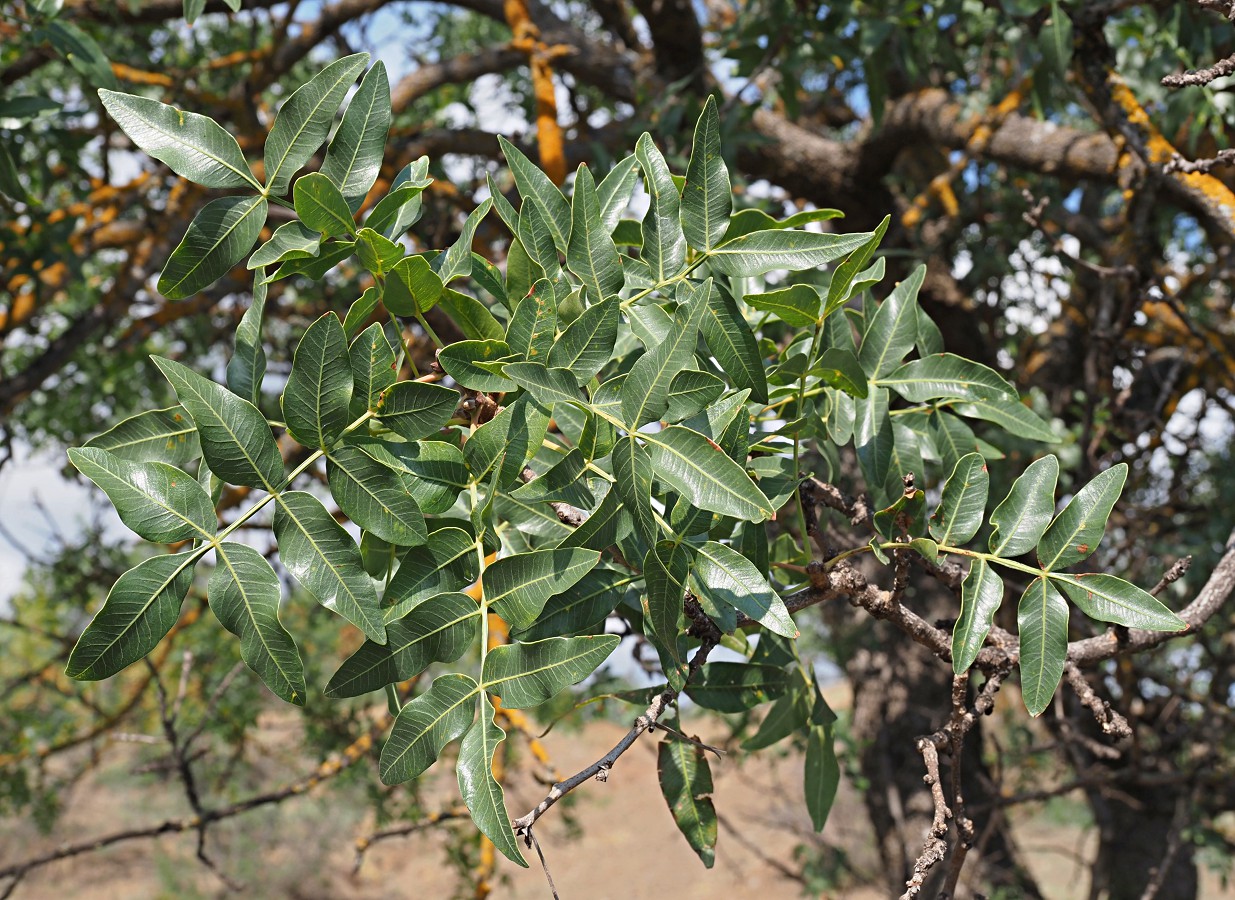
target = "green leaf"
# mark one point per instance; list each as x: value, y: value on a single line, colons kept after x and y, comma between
x: 446, y: 563
x: 193, y: 146
x: 707, y: 198
x: 797, y: 305
x: 745, y: 221
x: 686, y: 782
x: 1017, y: 524
x: 535, y: 184
x: 426, y: 725
x: 546, y: 385
x: 579, y: 609
x: 372, y: 362
x: 361, y: 311
x: 140, y: 609
x: 564, y: 482
x: 416, y: 410
x: 10, y: 181
x: 82, y: 53
x: 946, y: 375
x: 664, y: 243
x: 459, y: 360
x: 321, y: 206
x: 318, y: 395
x: 1012, y: 416
x: 534, y: 323
x: 952, y: 438
x: 162, y: 435
x: 472, y: 317
x: 413, y: 287
x: 788, y: 714
x: 1055, y: 41
x: 591, y: 253
x: 376, y: 253
x: 1042, y: 623
x: 842, y: 286
x: 1110, y: 599
x: 374, y: 498
x: 528, y: 674
x: 665, y: 570
x: 157, y: 501
x: 730, y: 340
x: 480, y: 790
x: 354, y: 156
x: 244, y: 595
x: 434, y: 470
x: 400, y: 209
x: 906, y: 514
x: 691, y: 392
x: 736, y: 687
x: 930, y: 338
x: 874, y: 439
x: 1079, y: 528
x: 304, y: 120
x: 822, y: 774
x: 959, y: 514
x: 728, y: 578
x: 457, y: 260
x: 537, y: 238
x: 893, y: 329
x: 645, y: 393
x: 615, y: 190
x: 607, y: 524
x: 701, y: 471
x: 219, y: 236
x: 981, y: 594
x: 509, y: 437
x: 316, y: 266
x: 928, y: 549
x: 763, y: 251
x: 247, y: 367
x: 516, y: 587
x: 839, y: 368
x: 488, y: 276
x: 632, y: 469
x: 235, y: 439
x: 193, y: 9
x: 326, y: 561
x: 586, y: 344
x: 16, y: 111
x: 441, y: 630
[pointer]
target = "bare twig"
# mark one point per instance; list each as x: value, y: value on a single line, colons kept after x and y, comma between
x: 1109, y: 720
x: 935, y: 848
x: 530, y: 840
x: 364, y: 843
x: 1201, y: 77
x: 600, y: 769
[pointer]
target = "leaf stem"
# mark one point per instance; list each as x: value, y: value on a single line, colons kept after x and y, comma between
x: 273, y: 491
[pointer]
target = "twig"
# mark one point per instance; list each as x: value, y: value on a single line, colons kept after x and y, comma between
x: 682, y: 737
x: 364, y: 843
x: 1201, y: 77
x: 935, y: 847
x: 1109, y: 720
x: 1173, y: 574
x: 600, y: 769
x: 530, y: 840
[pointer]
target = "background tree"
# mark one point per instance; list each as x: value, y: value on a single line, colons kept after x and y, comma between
x: 1027, y: 154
